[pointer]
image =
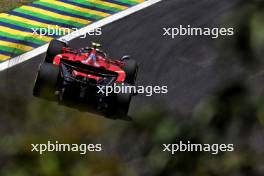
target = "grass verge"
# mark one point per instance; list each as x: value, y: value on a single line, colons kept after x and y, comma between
x: 6, y: 5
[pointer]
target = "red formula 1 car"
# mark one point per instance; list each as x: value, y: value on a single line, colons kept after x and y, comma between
x: 68, y: 75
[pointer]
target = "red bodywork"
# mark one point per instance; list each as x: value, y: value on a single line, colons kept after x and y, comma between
x: 106, y: 63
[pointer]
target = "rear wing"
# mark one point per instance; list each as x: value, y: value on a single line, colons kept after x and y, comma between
x: 87, y: 69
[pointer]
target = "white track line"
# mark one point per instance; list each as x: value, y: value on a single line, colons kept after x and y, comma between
x: 42, y: 49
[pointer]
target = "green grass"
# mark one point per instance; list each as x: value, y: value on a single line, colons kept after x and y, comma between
x: 6, y: 5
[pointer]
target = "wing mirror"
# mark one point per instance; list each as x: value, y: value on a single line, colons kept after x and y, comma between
x: 126, y: 57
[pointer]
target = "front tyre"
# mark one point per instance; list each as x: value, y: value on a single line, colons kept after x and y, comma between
x: 46, y: 81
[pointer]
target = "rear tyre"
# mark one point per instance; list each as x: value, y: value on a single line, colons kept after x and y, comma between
x: 119, y: 105
x: 122, y: 103
x: 131, y: 69
x: 55, y: 48
x: 46, y: 81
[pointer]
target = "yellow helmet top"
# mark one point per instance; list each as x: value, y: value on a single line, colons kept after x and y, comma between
x: 96, y: 44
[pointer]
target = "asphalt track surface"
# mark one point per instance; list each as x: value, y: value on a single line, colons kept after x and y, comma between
x: 187, y: 65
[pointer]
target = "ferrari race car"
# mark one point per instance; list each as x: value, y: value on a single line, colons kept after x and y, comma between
x: 68, y: 75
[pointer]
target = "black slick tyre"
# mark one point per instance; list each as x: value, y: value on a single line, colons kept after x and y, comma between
x: 55, y: 48
x: 131, y: 69
x: 46, y: 81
